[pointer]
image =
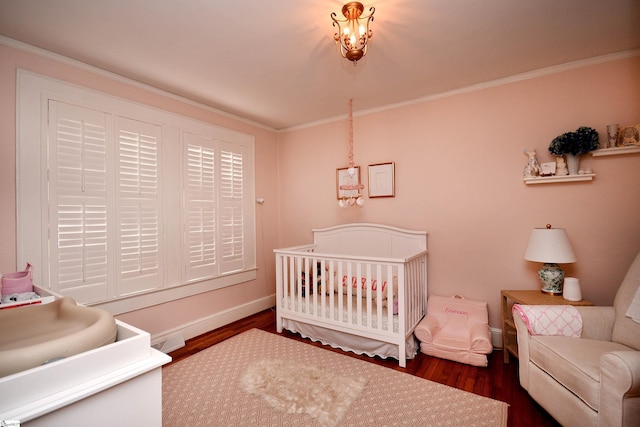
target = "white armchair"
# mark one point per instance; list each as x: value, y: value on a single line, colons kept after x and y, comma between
x: 593, y: 380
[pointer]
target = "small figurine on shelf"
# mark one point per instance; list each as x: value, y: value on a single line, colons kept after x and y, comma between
x: 561, y: 166
x: 629, y: 136
x: 532, y: 169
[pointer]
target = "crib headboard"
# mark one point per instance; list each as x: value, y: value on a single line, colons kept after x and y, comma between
x: 370, y: 240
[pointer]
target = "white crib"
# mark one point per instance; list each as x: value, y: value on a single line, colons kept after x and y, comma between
x: 359, y: 287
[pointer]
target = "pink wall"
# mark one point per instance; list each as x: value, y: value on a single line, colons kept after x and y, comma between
x: 170, y: 315
x: 459, y: 163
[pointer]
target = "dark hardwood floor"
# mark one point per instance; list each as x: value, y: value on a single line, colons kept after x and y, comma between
x: 497, y: 381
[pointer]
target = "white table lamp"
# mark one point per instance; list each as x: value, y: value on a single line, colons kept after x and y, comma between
x: 550, y: 246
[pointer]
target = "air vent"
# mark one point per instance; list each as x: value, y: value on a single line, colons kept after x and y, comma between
x: 170, y: 344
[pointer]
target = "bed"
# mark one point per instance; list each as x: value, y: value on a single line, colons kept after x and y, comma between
x: 359, y: 287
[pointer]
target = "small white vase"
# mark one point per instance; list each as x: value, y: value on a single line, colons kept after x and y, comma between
x: 573, y: 163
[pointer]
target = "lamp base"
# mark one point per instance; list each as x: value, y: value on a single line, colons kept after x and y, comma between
x: 552, y: 278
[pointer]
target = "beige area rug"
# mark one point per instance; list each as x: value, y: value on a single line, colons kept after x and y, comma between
x: 206, y: 390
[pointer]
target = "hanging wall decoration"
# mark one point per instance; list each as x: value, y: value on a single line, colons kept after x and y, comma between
x: 382, y: 180
x: 348, y: 179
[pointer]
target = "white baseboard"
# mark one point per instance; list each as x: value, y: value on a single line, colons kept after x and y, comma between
x: 217, y: 320
x: 496, y: 337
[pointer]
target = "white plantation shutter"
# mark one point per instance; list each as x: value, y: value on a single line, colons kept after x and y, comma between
x: 232, y: 221
x: 78, y: 200
x: 139, y: 205
x: 105, y: 204
x: 214, y: 207
x: 125, y: 206
x: 200, y: 231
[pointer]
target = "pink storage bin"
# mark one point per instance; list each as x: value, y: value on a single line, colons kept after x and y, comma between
x: 16, y: 283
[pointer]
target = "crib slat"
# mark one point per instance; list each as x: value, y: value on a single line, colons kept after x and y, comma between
x: 379, y: 296
x: 368, y: 306
x: 347, y: 283
x: 358, y: 284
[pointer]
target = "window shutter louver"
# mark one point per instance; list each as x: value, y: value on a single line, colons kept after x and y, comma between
x: 78, y: 199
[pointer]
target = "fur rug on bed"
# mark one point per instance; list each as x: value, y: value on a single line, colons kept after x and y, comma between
x: 297, y: 388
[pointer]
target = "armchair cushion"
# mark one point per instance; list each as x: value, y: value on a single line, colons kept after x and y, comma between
x: 634, y: 309
x: 573, y: 362
x: 597, y: 322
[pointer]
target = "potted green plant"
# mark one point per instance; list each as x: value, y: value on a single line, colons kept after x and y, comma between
x: 573, y: 144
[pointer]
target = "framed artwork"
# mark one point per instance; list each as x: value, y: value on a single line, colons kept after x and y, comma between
x: 382, y: 180
x: 344, y: 180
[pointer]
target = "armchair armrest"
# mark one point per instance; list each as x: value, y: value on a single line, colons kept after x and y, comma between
x: 427, y: 328
x: 620, y: 388
x: 597, y: 322
x: 523, y: 351
x: 480, y: 338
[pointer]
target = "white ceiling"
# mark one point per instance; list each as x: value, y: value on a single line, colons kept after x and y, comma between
x: 274, y: 62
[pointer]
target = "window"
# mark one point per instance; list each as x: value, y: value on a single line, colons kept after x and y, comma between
x: 101, y: 179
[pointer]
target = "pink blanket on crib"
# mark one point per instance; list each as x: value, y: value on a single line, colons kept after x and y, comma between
x: 562, y: 320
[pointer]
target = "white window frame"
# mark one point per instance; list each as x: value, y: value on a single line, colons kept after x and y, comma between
x: 33, y: 93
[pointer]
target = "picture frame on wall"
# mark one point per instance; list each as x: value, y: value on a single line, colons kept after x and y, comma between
x: 343, y: 179
x: 382, y: 180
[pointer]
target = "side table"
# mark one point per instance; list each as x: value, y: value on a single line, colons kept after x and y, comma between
x: 509, y: 339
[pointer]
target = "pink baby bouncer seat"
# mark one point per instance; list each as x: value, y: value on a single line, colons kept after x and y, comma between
x: 456, y: 329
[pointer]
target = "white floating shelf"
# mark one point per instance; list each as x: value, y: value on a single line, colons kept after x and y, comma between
x: 616, y: 150
x: 555, y: 179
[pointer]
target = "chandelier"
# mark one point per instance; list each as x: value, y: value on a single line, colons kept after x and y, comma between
x: 353, y: 33
x: 347, y: 196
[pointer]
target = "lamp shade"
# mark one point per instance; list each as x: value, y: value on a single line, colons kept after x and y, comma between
x: 549, y: 245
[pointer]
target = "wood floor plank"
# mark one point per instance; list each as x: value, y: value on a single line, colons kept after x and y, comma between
x: 497, y: 381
